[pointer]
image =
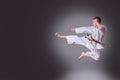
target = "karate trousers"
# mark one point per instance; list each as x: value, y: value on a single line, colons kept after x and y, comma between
x: 74, y: 39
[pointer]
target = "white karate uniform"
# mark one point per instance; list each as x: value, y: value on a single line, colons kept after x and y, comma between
x: 96, y: 33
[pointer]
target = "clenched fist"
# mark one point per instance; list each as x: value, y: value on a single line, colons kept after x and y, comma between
x: 73, y: 29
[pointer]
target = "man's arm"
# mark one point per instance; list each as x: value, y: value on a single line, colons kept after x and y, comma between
x: 73, y: 29
x: 82, y: 30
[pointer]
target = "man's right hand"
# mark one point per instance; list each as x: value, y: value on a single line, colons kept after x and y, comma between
x: 73, y: 29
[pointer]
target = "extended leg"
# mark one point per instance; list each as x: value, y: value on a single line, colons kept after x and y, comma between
x: 71, y: 39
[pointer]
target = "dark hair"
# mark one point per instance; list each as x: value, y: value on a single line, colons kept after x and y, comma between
x: 98, y: 19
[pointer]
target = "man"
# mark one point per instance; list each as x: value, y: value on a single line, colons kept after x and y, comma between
x: 92, y: 40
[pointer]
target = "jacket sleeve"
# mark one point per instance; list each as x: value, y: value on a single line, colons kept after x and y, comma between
x: 83, y: 30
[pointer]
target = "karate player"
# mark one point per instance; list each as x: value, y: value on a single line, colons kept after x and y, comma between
x: 92, y: 40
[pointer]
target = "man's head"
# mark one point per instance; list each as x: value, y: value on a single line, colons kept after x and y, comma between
x: 96, y: 20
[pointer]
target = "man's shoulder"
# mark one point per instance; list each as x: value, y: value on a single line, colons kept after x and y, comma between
x: 103, y: 26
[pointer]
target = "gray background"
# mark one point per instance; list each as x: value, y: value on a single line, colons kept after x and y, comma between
x: 27, y: 38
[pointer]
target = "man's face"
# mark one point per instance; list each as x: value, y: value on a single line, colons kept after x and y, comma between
x: 94, y: 21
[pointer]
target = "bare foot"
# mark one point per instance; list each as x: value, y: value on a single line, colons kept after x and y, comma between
x: 60, y: 36
x: 82, y: 55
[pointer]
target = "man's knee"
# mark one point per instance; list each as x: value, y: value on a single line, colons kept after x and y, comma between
x: 96, y: 57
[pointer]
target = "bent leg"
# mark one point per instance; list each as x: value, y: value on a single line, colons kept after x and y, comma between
x: 83, y: 54
x: 94, y: 54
